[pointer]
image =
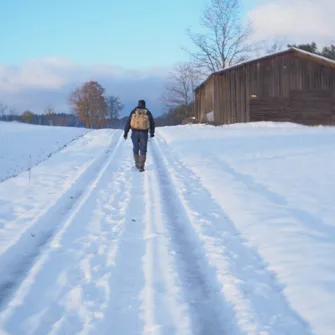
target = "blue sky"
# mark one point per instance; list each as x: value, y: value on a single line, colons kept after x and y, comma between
x: 126, y: 33
x: 50, y: 46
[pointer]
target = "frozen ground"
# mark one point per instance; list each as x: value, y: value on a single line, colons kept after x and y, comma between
x: 229, y: 231
x: 22, y: 145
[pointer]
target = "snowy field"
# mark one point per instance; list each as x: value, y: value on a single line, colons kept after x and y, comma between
x: 22, y: 145
x: 229, y: 231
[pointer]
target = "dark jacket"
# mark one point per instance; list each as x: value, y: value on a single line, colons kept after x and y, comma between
x: 151, y: 121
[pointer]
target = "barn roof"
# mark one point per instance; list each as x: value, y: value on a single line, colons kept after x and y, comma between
x: 304, y: 54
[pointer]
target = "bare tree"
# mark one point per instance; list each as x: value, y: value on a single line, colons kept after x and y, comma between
x: 13, y: 113
x: 114, y: 106
x: 3, y: 109
x: 180, y: 86
x: 88, y: 104
x: 49, y: 111
x: 274, y: 46
x: 226, y: 40
x: 269, y: 46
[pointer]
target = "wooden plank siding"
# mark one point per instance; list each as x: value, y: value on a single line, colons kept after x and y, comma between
x: 300, y: 107
x: 333, y: 110
x: 289, y: 86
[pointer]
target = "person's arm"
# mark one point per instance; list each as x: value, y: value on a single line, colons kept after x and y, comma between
x: 152, y: 124
x: 127, y: 126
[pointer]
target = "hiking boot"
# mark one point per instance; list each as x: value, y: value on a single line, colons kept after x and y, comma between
x: 137, y: 160
x: 142, y: 160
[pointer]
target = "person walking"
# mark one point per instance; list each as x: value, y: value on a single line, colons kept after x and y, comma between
x: 140, y: 122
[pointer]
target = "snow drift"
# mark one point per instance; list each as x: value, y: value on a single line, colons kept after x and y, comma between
x: 23, y: 145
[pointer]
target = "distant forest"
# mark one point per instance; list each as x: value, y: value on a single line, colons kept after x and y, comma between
x: 91, y: 109
x: 173, y: 117
x: 56, y: 119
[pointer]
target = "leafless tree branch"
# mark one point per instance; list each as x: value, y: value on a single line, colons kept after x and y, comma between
x: 114, y: 106
x: 3, y: 109
x: 179, y: 90
x: 226, y: 40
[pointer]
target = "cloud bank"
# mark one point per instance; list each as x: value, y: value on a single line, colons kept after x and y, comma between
x: 298, y: 21
x: 41, y: 82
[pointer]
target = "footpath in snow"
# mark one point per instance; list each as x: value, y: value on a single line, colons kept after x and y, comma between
x: 229, y: 231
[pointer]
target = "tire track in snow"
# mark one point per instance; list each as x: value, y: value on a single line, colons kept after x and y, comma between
x: 67, y: 249
x: 251, y: 290
x: 164, y: 306
x: 89, y: 284
x: 208, y: 312
x: 126, y: 281
x: 19, y: 257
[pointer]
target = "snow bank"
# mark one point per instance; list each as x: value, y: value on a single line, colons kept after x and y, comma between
x: 276, y: 183
x: 23, y: 144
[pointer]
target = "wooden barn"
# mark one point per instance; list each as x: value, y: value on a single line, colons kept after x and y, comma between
x: 287, y: 86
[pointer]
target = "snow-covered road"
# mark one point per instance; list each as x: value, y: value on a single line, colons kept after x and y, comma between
x: 91, y: 246
x: 112, y: 253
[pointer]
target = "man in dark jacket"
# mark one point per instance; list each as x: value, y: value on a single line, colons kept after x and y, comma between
x: 140, y: 121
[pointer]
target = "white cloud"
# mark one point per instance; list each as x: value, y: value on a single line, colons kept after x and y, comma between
x: 40, y: 82
x: 299, y: 21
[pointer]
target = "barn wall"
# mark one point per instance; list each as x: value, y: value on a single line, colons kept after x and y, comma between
x: 205, y: 99
x: 299, y: 107
x: 333, y: 110
x: 229, y: 92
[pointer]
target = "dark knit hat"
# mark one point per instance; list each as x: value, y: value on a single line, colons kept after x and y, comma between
x: 141, y: 103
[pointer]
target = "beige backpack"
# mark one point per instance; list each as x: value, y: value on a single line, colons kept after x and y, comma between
x: 140, y: 119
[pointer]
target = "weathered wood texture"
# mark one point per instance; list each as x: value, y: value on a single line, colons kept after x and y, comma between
x: 305, y: 106
x: 285, y: 87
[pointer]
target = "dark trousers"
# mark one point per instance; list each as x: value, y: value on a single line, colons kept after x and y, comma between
x: 140, y: 142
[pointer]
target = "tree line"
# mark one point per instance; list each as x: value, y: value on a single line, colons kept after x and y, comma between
x: 226, y: 41
x: 90, y: 108
x: 46, y: 119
